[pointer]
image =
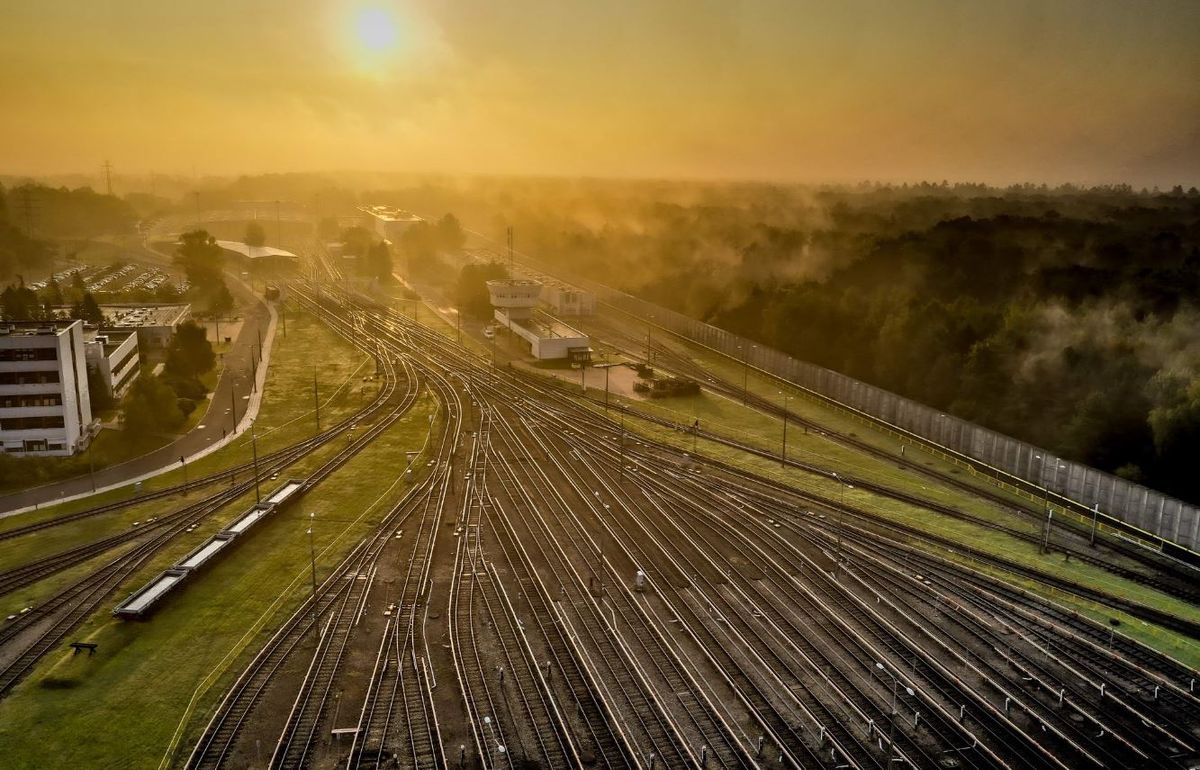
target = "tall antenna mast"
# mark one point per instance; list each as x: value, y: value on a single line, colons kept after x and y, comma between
x: 108, y: 176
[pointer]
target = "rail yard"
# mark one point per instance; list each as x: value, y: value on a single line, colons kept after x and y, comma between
x: 554, y: 588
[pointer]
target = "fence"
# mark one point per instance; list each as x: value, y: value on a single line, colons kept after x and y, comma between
x: 1168, y: 522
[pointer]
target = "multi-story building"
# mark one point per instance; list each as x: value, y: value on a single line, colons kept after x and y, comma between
x: 389, y: 223
x: 44, y: 407
x: 113, y: 354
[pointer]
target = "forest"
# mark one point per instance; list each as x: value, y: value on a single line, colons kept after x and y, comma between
x: 1067, y: 317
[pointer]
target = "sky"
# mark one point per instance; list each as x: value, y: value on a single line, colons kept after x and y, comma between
x: 1085, y: 91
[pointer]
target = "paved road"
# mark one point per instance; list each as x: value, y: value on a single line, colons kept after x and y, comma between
x: 235, y: 379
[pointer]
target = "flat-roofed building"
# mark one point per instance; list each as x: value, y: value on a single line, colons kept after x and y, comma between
x: 155, y: 324
x: 389, y: 223
x: 113, y: 354
x: 564, y: 299
x: 44, y: 405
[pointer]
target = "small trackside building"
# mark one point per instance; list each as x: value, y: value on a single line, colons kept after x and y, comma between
x: 44, y: 404
x: 563, y: 299
x: 514, y: 301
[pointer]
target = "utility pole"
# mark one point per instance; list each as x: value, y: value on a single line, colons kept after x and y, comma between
x: 233, y: 405
x: 312, y: 557
x: 317, y: 400
x: 622, y: 448
x: 783, y: 453
x: 254, y: 449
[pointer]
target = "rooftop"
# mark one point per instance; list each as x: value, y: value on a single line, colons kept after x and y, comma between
x: 254, y: 252
x: 113, y: 337
x: 34, y: 328
x: 548, y: 327
x: 389, y: 214
x: 133, y: 316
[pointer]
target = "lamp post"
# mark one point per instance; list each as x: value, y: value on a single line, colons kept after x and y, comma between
x: 841, y: 507
x: 312, y: 556
x: 746, y: 376
x: 254, y: 450
x: 316, y: 400
x: 233, y: 403
x: 892, y: 715
x: 783, y: 451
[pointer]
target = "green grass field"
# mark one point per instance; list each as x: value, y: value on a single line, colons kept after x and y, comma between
x: 729, y: 418
x: 154, y: 683
x: 286, y: 416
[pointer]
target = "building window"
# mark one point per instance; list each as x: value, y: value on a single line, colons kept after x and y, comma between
x: 29, y: 354
x: 31, y: 423
x: 37, y: 399
x: 28, y: 378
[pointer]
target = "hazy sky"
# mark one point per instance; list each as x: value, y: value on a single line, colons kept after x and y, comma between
x: 995, y: 90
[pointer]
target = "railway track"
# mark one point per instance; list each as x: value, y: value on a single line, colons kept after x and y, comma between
x: 1179, y: 578
x: 768, y: 632
x: 50, y: 622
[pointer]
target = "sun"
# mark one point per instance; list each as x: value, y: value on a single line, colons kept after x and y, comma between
x: 376, y: 29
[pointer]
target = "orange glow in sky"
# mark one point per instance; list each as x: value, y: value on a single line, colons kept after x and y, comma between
x: 1075, y: 90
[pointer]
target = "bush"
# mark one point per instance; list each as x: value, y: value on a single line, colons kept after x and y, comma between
x: 151, y: 407
x: 186, y: 387
x: 186, y: 406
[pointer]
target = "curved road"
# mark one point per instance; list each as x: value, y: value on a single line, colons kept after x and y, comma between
x: 232, y: 386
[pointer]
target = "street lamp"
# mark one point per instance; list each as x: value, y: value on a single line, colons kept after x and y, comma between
x: 254, y: 449
x: 841, y: 509
x: 746, y: 375
x: 892, y: 715
x: 783, y: 451
x: 312, y: 556
x: 1046, y: 498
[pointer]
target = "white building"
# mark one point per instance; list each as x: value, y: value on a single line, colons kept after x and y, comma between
x: 514, y: 300
x: 389, y: 223
x: 113, y: 354
x: 564, y: 299
x: 155, y: 324
x: 44, y: 407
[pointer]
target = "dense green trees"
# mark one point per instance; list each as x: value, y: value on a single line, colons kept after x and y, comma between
x: 471, y: 293
x: 1065, y: 317
x: 201, y: 259
x: 255, y: 234
x: 151, y: 407
x: 87, y: 309
x: 373, y: 257
x: 190, y: 354
x: 20, y: 303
